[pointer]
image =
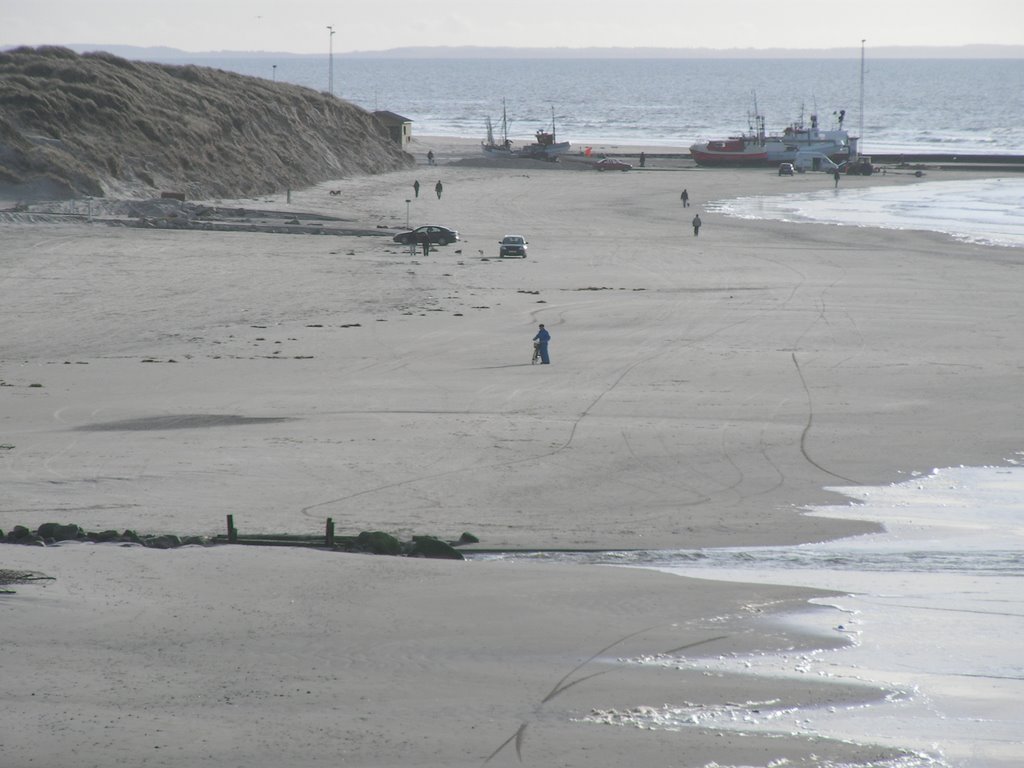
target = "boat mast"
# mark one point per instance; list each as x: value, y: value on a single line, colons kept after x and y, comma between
x: 759, y: 123
x: 504, y: 125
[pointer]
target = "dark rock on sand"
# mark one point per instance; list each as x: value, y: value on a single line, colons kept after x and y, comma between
x: 428, y: 546
x: 101, y: 537
x: 53, y: 533
x: 379, y: 543
x: 373, y: 542
x: 166, y: 541
x: 19, y: 534
x: 60, y: 532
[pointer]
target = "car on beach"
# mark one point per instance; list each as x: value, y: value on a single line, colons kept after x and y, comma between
x: 786, y: 169
x: 860, y: 167
x: 512, y: 245
x: 431, y: 233
x: 611, y: 164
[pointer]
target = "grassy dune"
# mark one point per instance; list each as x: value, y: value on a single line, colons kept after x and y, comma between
x: 95, y: 124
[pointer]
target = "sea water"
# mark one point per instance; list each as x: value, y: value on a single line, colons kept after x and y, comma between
x: 936, y: 603
x: 985, y: 211
x: 958, y: 106
x: 934, y: 607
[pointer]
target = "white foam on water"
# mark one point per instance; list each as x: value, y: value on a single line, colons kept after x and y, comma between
x: 935, y: 605
x: 986, y: 211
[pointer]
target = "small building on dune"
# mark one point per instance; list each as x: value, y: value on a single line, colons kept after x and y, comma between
x: 399, y: 128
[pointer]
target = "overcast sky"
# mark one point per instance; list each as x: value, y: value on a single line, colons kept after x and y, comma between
x: 300, y: 26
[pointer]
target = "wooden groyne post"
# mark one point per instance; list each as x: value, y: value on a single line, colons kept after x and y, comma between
x: 232, y: 531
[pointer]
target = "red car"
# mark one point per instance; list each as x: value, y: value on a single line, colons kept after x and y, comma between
x: 608, y: 164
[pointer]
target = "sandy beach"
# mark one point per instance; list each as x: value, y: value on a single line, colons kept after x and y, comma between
x: 703, y: 391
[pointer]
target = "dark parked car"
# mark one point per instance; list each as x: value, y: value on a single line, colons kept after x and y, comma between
x: 860, y: 167
x: 512, y: 245
x: 432, y: 233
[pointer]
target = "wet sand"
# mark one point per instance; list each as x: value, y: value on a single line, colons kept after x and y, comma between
x: 702, y: 391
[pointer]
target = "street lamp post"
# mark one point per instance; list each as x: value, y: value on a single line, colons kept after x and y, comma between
x: 407, y: 212
x: 861, y: 137
x: 330, y: 60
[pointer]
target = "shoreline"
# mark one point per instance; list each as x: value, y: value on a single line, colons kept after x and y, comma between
x: 703, y: 393
x: 984, y: 162
x: 467, y: 664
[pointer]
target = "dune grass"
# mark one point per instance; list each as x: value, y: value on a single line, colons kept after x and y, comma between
x: 95, y: 124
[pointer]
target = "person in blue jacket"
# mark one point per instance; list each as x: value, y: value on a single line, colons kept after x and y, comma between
x: 542, y: 338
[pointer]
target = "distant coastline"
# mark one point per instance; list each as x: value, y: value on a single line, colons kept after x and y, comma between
x: 973, y: 51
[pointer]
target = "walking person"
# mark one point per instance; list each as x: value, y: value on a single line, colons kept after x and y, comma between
x: 439, y: 188
x: 542, y: 338
x: 835, y: 175
x: 430, y: 157
x: 685, y: 197
x: 696, y: 225
x: 416, y: 187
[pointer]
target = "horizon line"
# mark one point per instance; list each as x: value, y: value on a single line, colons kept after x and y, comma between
x: 1004, y: 50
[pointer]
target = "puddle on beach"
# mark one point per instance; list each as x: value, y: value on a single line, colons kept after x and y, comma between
x: 178, y: 421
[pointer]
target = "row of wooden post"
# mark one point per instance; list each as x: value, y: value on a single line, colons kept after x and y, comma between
x: 328, y: 532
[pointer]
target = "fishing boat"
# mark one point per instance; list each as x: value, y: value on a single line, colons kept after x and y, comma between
x: 544, y: 147
x: 492, y: 146
x: 797, y: 143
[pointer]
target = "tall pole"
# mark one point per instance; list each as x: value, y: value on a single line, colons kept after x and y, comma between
x: 330, y: 60
x: 407, y: 212
x: 861, y: 137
